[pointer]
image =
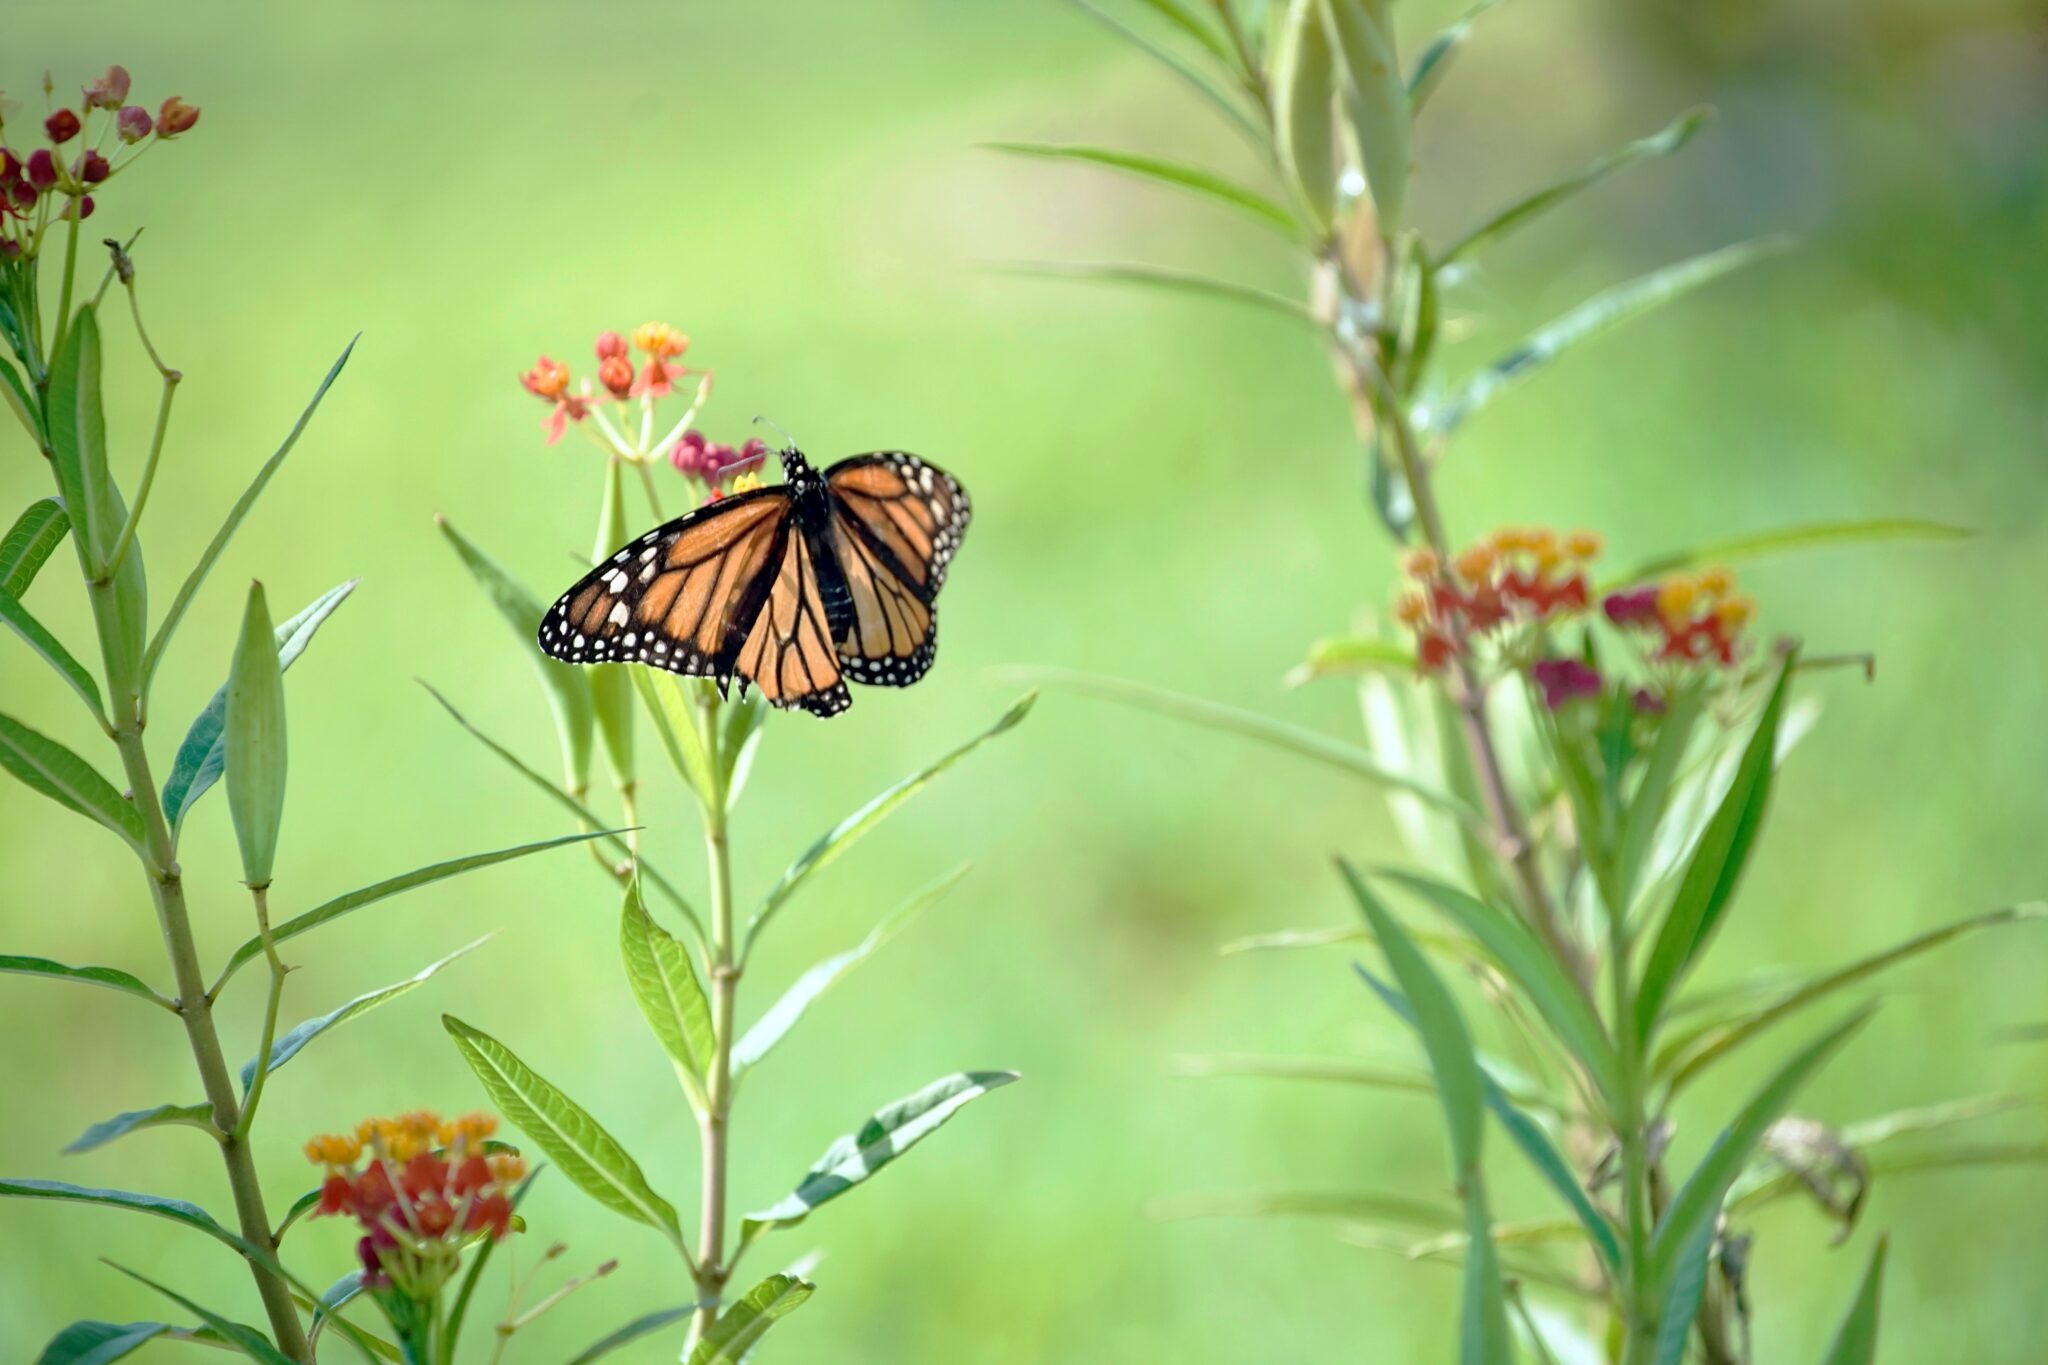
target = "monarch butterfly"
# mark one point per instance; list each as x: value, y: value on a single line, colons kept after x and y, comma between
x: 793, y: 589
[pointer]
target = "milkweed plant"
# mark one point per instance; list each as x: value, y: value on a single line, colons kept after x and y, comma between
x: 685, y: 957
x: 1581, y: 762
x: 445, y: 1188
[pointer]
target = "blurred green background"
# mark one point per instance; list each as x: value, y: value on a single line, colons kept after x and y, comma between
x: 1165, y: 490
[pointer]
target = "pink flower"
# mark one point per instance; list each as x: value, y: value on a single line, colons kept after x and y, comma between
x: 1635, y: 607
x: 1565, y: 680
x: 109, y: 90
x: 175, y: 116
x: 134, y: 123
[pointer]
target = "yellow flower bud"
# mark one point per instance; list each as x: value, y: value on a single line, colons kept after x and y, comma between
x: 1419, y: 563
x: 1676, y: 597
x: 1584, y: 545
x: 1475, y: 564
x: 1410, y: 609
x: 1717, y: 581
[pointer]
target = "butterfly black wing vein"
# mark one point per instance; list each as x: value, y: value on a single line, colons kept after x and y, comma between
x: 793, y: 589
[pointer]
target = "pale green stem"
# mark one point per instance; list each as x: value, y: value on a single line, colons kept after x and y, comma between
x: 714, y: 1123
x: 64, y: 291
x: 171, y: 380
x: 261, y: 896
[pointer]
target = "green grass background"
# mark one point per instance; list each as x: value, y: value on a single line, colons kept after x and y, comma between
x: 1164, y: 489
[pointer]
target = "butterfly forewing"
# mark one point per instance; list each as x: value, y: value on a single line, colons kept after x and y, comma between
x: 896, y: 524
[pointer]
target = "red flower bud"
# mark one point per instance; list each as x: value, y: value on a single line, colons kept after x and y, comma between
x: 175, y: 117
x: 85, y: 208
x: 109, y: 90
x: 93, y: 168
x: 134, y: 123
x: 22, y: 195
x: 42, y: 169
x: 62, y: 126
x: 616, y: 374
x: 610, y: 344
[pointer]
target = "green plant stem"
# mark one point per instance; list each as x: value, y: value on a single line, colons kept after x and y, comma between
x: 715, y: 1121
x: 1639, y: 1305
x: 70, y: 274
x: 261, y: 896
x: 171, y: 379
x: 168, y: 891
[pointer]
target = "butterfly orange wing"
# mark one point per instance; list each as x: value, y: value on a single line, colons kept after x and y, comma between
x: 896, y: 524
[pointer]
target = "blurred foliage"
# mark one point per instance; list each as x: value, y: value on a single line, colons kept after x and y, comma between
x: 1164, y: 491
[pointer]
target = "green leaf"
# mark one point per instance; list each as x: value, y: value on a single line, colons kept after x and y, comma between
x: 1686, y: 1058
x: 212, y: 553
x: 247, y: 1340
x: 54, y: 653
x: 665, y: 983
x: 769, y: 1029
x: 390, y: 886
x: 19, y: 398
x: 1375, y: 98
x: 589, y: 1156
x: 459, y: 1309
x: 99, y: 1343
x: 1596, y: 316
x: 203, y: 754
x: 1716, y: 866
x: 1698, y: 1202
x: 576, y: 808
x: 633, y: 1331
x: 744, y: 720
x: 198, y: 1116
x: 30, y: 542
x: 1681, y: 1302
x: 1353, y: 1205
x: 176, y: 1210
x: 1538, y: 975
x: 676, y: 723
x: 1351, y: 1071
x: 1855, y: 1340
x: 1181, y: 18
x: 1163, y: 277
x: 78, y: 438
x: 1483, y: 1324
x: 111, y: 977
x: 1215, y: 716
x: 1645, y: 809
x: 567, y: 688
x: 740, y: 1327
x: 1190, y: 178
x: 888, y: 1134
x: 1808, y: 535
x: 1519, y: 214
x: 1550, y: 1163
x: 67, y: 779
x: 1304, y: 98
x: 253, y: 737
x: 1181, y: 67
x: 1351, y: 655
x: 289, y: 1046
x: 844, y: 834
x: 1436, y: 57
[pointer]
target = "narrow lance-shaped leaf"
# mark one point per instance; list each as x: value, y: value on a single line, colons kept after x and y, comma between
x: 568, y: 690
x: 890, y: 1133
x: 1435, y: 61
x: 254, y: 737
x: 30, y: 542
x: 176, y: 1210
x: 1681, y: 1303
x: 113, y: 978
x: 744, y: 722
x: 1855, y: 1340
x: 740, y: 1328
x: 1192, y: 179
x: 247, y: 1340
x: 390, y: 886
x: 782, y: 1016
x: 1645, y: 809
x: 843, y: 835
x: 1177, y: 14
x: 1166, y: 278
x: 589, y: 1156
x: 1483, y: 1329
x: 1345, y: 655
x: 202, y: 755
x: 289, y: 1046
x: 240, y: 510
x: 1597, y: 315
x: 99, y: 1343
x: 18, y: 397
x: 1716, y: 866
x: 1807, y: 535
x: 1661, y: 143
x: 198, y: 1116
x: 665, y: 983
x: 67, y: 779
x: 1179, y: 66
x: 1698, y: 1201
x: 1375, y: 98
x: 675, y: 724
x: 78, y: 438
x: 644, y: 1325
x: 1304, y: 109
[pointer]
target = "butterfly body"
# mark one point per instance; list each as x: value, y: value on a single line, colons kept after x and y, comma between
x: 832, y: 575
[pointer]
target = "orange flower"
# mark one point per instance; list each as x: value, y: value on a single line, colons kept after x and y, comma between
x: 659, y: 340
x: 549, y: 378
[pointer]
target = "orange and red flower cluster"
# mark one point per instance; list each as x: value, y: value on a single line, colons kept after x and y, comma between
x: 619, y: 380
x: 1691, y: 618
x: 426, y: 1188
x: 54, y: 183
x: 1512, y: 577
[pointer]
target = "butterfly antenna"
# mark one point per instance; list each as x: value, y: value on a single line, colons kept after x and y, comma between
x: 769, y: 421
